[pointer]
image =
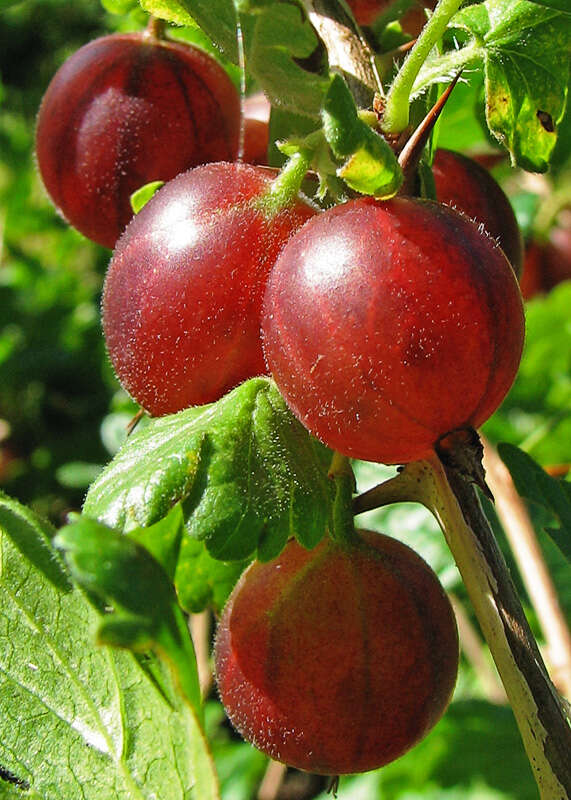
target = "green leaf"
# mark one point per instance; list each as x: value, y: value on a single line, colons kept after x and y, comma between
x: 533, y: 483
x: 76, y: 719
x: 557, y: 5
x: 526, y: 50
x: 118, y: 6
x: 217, y: 18
x: 201, y: 580
x: 286, y: 58
x: 369, y: 164
x: 145, y: 614
x: 169, y: 10
x: 248, y: 475
x: 141, y: 197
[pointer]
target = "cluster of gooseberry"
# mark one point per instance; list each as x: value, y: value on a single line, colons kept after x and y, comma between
x: 386, y: 325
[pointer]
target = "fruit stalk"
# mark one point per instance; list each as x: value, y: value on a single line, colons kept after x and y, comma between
x: 537, y: 707
x: 396, y: 113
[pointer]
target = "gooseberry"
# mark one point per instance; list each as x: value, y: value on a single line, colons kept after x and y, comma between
x: 125, y: 110
x: 339, y: 659
x: 467, y: 186
x: 388, y: 325
x: 183, y: 292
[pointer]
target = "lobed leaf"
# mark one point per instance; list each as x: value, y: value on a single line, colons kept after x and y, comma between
x: 286, y: 58
x: 247, y: 474
x: 525, y: 48
x: 76, y: 719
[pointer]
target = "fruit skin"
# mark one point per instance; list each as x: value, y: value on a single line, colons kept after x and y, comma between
x: 124, y: 110
x: 388, y: 325
x: 548, y: 263
x: 412, y: 21
x: 468, y: 187
x: 337, y: 660
x: 183, y: 292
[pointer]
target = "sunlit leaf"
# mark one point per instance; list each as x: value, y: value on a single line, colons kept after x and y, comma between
x: 77, y: 719
x: 248, y: 476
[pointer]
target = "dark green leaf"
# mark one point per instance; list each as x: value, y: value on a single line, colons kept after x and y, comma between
x: 201, y: 580
x: 76, y: 719
x: 533, y: 483
x: 557, y: 5
x: 248, y: 474
x: 163, y: 539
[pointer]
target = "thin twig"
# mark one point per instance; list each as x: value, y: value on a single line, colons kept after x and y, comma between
x: 521, y: 535
x: 200, y: 628
x: 272, y: 781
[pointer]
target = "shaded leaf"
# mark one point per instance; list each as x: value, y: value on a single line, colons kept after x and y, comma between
x: 286, y: 58
x: 533, y: 483
x: 557, y: 5
x: 203, y: 581
x: 126, y: 577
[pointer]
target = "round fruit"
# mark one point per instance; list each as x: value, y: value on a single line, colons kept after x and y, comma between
x: 125, y: 110
x: 183, y: 293
x: 387, y: 325
x: 337, y: 660
x: 468, y: 187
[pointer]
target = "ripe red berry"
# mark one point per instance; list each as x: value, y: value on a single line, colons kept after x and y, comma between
x: 124, y: 110
x: 388, y: 325
x: 411, y: 21
x: 468, y: 187
x: 184, y: 289
x: 547, y: 264
x: 337, y: 660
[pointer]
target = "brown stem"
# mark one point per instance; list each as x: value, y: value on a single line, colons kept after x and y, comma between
x: 347, y: 50
x: 521, y: 535
x: 272, y: 781
x: 538, y: 708
x: 410, y: 154
x: 155, y: 28
x: 200, y: 626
